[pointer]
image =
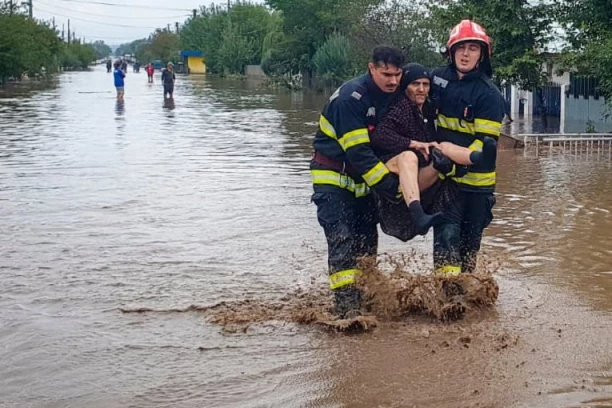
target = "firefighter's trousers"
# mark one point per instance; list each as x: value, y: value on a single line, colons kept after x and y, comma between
x: 350, y: 228
x: 457, y: 240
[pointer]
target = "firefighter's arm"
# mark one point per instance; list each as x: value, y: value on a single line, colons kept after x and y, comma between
x: 352, y: 134
x: 488, y: 115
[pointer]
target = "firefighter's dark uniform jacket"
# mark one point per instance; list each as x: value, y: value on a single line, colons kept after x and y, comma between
x: 347, y: 119
x: 344, y: 171
x: 468, y: 110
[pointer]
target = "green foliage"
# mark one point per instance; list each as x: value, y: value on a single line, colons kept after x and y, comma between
x: 131, y: 48
x: 308, y: 23
x: 405, y: 25
x: 101, y: 49
x: 76, y: 56
x: 587, y: 23
x: 334, y: 61
x: 231, y: 40
x: 236, y: 50
x: 26, y: 47
x: 520, y: 31
x: 280, y: 60
x: 161, y: 45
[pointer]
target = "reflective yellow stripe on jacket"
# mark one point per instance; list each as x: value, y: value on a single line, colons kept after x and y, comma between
x: 455, y: 124
x: 487, y: 179
x: 354, y: 138
x: 376, y: 174
x: 477, y: 179
x: 343, y: 278
x: 333, y: 178
x: 327, y: 127
x: 488, y: 127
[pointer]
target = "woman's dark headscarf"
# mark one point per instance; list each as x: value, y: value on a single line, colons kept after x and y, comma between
x: 412, y: 72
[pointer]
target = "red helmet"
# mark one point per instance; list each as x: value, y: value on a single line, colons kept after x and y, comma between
x: 468, y: 30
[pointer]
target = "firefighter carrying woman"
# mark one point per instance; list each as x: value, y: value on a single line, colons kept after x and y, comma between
x: 399, y: 131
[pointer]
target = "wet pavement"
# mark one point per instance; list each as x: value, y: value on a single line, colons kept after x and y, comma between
x: 151, y: 204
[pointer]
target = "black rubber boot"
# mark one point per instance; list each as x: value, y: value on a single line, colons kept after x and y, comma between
x: 446, y: 166
x: 488, y: 154
x: 421, y: 219
x: 348, y: 302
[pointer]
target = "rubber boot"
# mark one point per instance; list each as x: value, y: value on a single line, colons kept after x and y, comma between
x: 423, y: 221
x: 488, y: 155
x: 446, y: 166
x: 348, y: 302
x: 489, y: 152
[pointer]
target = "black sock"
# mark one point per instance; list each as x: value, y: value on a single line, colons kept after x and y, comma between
x: 422, y: 220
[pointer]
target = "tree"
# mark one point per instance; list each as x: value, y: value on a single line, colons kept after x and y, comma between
x: 26, y: 47
x: 334, y: 61
x: 163, y: 45
x: 520, y: 30
x: 101, y: 49
x: 230, y: 40
x: 405, y: 25
x: 587, y: 24
x: 308, y: 23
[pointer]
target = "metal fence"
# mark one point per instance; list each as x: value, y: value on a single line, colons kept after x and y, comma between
x: 547, y: 100
x: 568, y: 143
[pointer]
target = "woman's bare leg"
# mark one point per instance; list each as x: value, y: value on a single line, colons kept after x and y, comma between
x: 406, y: 165
x: 465, y: 156
x: 428, y: 177
x: 458, y: 154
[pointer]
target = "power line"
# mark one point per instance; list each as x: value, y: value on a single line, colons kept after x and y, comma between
x: 103, y: 3
x: 93, y: 21
x: 108, y: 15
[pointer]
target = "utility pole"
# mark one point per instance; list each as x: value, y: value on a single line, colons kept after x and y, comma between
x: 10, y: 7
x: 30, y: 7
x: 68, y: 31
x: 168, y: 27
x: 53, y: 23
x: 195, y: 13
x: 63, y: 39
x: 228, y: 5
x: 176, y: 24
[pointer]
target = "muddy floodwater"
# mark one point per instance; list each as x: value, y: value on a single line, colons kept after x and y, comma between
x: 159, y: 206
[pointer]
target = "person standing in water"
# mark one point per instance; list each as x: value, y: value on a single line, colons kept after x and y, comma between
x: 119, y: 76
x: 150, y: 70
x: 168, y: 77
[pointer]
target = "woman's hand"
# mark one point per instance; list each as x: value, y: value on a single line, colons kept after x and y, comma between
x: 423, y: 147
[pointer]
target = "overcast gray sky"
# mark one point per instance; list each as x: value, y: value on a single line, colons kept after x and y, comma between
x: 116, y: 21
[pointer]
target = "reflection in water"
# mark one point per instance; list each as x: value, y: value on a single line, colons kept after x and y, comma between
x: 169, y: 103
x: 164, y: 206
x: 120, y: 107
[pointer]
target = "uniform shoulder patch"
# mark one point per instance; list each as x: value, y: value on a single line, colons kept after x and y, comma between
x: 356, y: 95
x: 440, y: 81
x: 334, y: 95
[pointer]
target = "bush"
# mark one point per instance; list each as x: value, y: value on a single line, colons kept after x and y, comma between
x: 334, y: 61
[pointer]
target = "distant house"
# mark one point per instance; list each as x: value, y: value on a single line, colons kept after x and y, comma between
x: 572, y: 98
x: 194, y: 62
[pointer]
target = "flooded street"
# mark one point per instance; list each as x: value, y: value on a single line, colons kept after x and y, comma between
x: 148, y: 204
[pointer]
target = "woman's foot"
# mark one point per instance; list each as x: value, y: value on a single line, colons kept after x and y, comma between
x: 423, y: 221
